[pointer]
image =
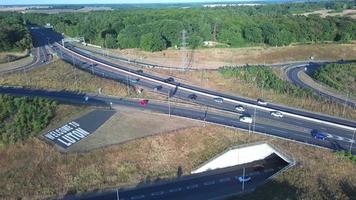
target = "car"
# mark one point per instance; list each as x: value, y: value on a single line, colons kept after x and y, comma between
x: 134, y: 80
x: 169, y: 80
x: 258, y: 167
x: 276, y: 114
x: 244, y: 178
x: 139, y: 71
x: 193, y: 96
x: 261, y: 102
x: 157, y: 88
x: 219, y: 100
x: 246, y: 119
x: 318, y: 134
x: 239, y: 108
x: 144, y: 102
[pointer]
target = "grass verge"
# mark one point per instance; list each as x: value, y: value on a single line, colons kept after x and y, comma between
x: 35, y: 170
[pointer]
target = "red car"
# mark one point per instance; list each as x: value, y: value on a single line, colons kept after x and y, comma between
x: 144, y: 102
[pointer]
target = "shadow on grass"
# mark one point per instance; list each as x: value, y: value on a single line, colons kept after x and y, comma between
x: 272, y: 190
x: 348, y: 189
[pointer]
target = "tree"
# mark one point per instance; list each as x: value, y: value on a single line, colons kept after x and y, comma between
x: 152, y: 42
x: 110, y: 41
x: 253, y: 34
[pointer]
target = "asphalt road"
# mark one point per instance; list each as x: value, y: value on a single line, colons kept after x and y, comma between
x: 311, y: 67
x: 39, y: 52
x: 213, y: 184
x: 286, y: 127
x: 339, y: 131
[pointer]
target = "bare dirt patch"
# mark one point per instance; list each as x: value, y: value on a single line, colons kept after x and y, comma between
x: 213, y: 58
x: 324, y: 13
x: 128, y: 124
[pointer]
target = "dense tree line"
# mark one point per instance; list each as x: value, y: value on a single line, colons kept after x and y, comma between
x: 265, y: 78
x: 21, y: 118
x: 14, y: 35
x: 157, y: 29
x: 341, y: 77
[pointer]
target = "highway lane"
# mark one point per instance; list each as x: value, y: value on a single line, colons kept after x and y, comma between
x: 226, y: 106
x: 209, y: 102
x: 293, y: 77
x: 274, y: 128
x: 213, y: 184
x: 125, y: 74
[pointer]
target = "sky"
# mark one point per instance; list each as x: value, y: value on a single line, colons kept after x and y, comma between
x: 27, y: 2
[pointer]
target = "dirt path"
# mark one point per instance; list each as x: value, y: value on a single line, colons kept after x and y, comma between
x: 216, y: 57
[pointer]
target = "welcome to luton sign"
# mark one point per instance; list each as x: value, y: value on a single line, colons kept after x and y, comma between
x: 67, y: 135
x: 74, y: 131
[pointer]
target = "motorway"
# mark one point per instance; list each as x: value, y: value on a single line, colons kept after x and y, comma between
x: 287, y: 127
x: 295, y: 125
x: 292, y: 75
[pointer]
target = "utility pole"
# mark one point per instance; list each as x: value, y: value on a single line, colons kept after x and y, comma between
x: 24, y: 71
x: 205, y: 115
x: 347, y: 98
x: 353, y: 140
x: 75, y: 74
x: 183, y: 49
x: 243, y: 180
x: 169, y: 103
x: 254, y: 121
x: 128, y: 85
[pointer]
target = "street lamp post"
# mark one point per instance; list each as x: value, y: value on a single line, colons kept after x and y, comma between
x: 353, y: 140
x: 169, y: 103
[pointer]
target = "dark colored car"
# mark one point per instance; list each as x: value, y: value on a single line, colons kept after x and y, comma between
x: 159, y: 87
x: 139, y: 71
x: 318, y: 134
x: 193, y: 96
x: 258, y: 167
x: 169, y: 80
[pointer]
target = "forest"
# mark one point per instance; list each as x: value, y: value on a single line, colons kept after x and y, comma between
x: 158, y: 29
x: 14, y: 35
x: 23, y: 117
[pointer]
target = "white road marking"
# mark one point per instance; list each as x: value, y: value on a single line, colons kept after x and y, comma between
x: 254, y: 173
x: 209, y: 183
x: 189, y: 187
x: 206, y: 94
x: 175, y: 190
x: 137, y: 197
x: 225, y: 180
x: 268, y: 170
x: 278, y: 130
x: 157, y: 193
